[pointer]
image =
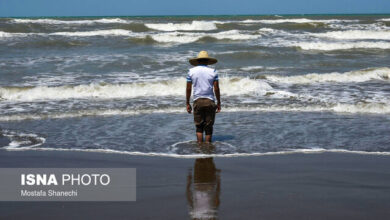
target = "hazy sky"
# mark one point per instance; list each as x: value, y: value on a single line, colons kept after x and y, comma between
x: 185, y: 7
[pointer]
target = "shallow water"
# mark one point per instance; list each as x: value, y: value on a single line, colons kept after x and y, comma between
x: 236, y: 134
x: 288, y: 83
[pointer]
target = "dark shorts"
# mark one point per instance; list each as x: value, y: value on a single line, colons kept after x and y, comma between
x: 204, y: 115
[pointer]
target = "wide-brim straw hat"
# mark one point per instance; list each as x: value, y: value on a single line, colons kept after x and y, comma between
x: 203, y: 55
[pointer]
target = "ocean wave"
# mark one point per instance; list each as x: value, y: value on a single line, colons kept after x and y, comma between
x: 111, y: 32
x: 357, y: 108
x: 5, y: 34
x: 173, y: 87
x: 194, y: 26
x: 166, y: 37
x: 353, y: 76
x: 297, y: 20
x: 74, y: 22
x: 384, y: 19
x: 182, y: 38
x: 355, y: 35
x: 22, y: 140
x: 9, y: 35
x: 329, y: 41
x: 205, y: 155
x: 330, y: 46
x: 230, y: 86
x: 94, y: 112
x: 342, y: 108
x: 378, y: 26
x: 250, y: 68
x: 359, y: 34
x: 270, y: 31
x: 50, y: 43
x: 371, y: 108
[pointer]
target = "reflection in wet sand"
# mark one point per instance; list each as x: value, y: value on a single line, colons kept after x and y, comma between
x: 203, y: 189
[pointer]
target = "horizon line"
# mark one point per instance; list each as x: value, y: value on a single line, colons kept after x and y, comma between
x: 199, y: 15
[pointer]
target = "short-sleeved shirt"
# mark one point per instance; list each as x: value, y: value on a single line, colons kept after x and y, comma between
x: 202, y: 79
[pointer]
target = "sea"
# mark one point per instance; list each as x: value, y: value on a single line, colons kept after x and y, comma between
x: 289, y: 84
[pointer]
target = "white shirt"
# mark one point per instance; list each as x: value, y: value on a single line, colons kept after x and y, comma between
x: 202, y: 79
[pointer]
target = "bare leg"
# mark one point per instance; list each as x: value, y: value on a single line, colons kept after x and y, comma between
x: 199, y: 136
x: 208, y: 138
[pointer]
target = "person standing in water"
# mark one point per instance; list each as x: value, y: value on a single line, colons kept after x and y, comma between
x: 204, y: 81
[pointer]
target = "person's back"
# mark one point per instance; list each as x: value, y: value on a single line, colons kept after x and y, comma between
x: 203, y: 78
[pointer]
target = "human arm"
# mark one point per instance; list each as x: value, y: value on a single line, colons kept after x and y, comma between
x: 188, y: 96
x: 217, y: 95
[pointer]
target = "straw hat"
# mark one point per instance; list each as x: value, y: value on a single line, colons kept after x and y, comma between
x: 203, y: 55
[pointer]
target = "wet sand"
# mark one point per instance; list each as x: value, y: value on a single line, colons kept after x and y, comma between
x: 294, y: 186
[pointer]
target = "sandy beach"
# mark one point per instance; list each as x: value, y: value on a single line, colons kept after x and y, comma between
x: 295, y: 186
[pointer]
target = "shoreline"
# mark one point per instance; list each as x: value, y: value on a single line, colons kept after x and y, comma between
x: 195, y: 156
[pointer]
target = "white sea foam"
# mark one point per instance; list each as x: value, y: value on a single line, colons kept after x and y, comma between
x: 234, y: 35
x: 172, y: 87
x: 249, y: 68
x: 193, y: 26
x: 371, y: 108
x: 329, y: 41
x: 297, y: 20
x: 95, y: 112
x: 384, y: 19
x: 74, y: 22
x: 359, y: 108
x: 9, y: 35
x: 5, y: 34
x: 253, y: 68
x: 329, y: 46
x: 269, y: 30
x: 185, y: 37
x: 164, y: 37
x: 378, y: 26
x: 353, y: 76
x: 111, y: 32
x: 22, y: 140
x: 174, y: 155
x: 176, y: 37
x: 355, y: 35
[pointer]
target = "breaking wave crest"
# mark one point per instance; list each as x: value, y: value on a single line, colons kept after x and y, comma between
x: 329, y: 46
x: 174, y: 87
x: 353, y: 76
x: 164, y: 37
x: 21, y: 140
x: 359, y: 108
x: 297, y: 20
x: 183, y: 38
x: 71, y: 22
x: 230, y: 86
x: 193, y: 26
x: 355, y: 35
x: 112, y: 32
